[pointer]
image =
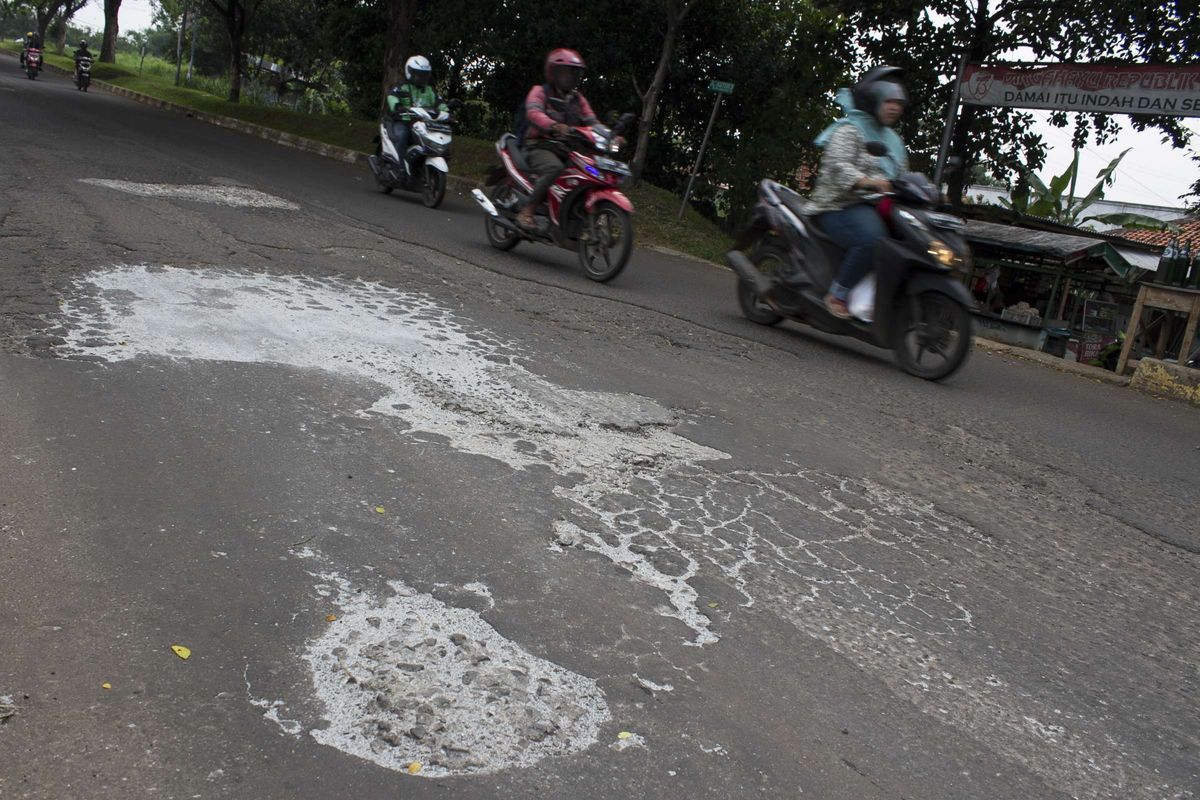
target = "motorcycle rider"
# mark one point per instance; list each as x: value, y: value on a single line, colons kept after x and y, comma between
x: 564, y: 72
x: 81, y: 53
x: 32, y: 40
x: 415, y: 92
x: 848, y: 173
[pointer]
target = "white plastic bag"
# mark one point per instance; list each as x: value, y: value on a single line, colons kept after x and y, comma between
x: 862, y: 299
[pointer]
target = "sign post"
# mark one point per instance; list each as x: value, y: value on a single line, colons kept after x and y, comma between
x: 721, y: 88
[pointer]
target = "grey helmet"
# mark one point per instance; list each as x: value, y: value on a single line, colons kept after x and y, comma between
x: 877, y: 86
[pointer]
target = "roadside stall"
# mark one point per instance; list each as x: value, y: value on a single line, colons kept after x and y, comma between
x: 1053, y: 288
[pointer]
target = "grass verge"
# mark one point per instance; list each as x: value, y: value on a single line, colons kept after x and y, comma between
x: 657, y: 209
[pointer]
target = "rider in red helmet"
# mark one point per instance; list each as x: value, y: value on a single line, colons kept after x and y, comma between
x: 564, y: 73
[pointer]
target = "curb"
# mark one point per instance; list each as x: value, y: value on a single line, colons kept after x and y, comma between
x: 291, y: 140
x: 1054, y: 362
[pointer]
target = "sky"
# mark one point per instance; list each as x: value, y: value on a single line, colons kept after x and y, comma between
x: 1153, y: 173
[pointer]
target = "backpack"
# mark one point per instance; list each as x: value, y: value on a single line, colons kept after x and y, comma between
x: 521, y: 119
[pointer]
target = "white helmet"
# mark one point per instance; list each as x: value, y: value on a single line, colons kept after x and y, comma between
x: 417, y: 64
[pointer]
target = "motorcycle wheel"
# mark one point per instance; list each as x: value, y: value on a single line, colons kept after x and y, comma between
x: 607, y: 242
x: 498, y: 236
x: 770, y: 261
x: 32, y: 73
x: 932, y: 324
x: 383, y: 187
x: 433, y: 187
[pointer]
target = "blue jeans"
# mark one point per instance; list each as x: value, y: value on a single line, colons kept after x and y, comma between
x: 856, y: 230
x: 399, y: 132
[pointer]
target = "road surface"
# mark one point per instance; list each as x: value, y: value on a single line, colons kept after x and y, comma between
x: 436, y: 521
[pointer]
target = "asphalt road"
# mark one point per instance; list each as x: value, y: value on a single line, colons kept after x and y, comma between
x: 438, y: 521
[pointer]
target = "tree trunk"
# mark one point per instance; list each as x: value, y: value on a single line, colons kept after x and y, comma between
x: 960, y: 142
x: 183, y: 21
x: 45, y: 15
x: 60, y: 44
x: 192, y: 54
x: 108, y: 48
x: 401, y: 14
x: 675, y: 17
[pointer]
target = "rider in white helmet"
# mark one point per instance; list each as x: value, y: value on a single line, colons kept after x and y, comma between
x: 415, y: 92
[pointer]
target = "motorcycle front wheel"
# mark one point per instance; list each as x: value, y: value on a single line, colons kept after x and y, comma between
x: 433, y: 186
x: 498, y: 236
x: 770, y: 261
x: 606, y: 243
x: 933, y: 335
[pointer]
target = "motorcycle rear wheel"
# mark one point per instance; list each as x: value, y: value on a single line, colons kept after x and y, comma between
x: 498, y: 236
x: 936, y: 324
x: 433, y: 186
x: 769, y: 260
x: 607, y: 242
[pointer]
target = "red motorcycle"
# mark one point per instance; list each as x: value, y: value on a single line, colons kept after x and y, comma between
x: 584, y: 211
x: 33, y: 62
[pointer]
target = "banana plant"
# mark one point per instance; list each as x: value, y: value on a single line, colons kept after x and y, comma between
x: 1059, y: 203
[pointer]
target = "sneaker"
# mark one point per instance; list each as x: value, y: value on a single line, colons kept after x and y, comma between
x: 837, y: 307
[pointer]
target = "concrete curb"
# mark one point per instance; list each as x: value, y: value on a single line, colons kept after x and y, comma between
x: 1046, y: 360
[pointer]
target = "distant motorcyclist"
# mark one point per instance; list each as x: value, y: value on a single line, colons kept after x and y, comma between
x: 82, y: 52
x: 848, y: 173
x: 564, y: 72
x: 32, y: 40
x: 415, y: 92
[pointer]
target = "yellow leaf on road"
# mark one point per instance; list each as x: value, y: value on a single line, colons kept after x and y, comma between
x: 380, y: 510
x: 330, y: 617
x: 181, y: 651
x: 106, y: 686
x: 624, y: 735
x: 414, y: 767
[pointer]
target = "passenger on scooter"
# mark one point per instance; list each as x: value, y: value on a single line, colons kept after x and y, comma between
x: 564, y: 73
x: 848, y: 173
x: 415, y: 92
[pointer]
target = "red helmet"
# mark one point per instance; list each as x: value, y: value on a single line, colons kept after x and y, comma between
x: 562, y: 57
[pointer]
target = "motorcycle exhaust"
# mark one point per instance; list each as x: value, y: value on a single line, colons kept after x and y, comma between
x: 746, y: 270
x: 496, y: 216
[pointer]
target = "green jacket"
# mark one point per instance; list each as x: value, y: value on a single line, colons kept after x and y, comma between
x: 407, y: 96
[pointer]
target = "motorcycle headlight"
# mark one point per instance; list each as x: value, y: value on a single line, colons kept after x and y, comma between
x: 942, y: 253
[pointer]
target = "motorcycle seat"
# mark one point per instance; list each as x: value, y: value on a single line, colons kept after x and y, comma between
x: 509, y: 143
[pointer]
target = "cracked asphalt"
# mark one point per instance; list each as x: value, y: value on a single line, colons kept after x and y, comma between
x: 442, y: 522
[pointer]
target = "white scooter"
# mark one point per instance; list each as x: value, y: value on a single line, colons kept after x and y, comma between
x: 423, y: 167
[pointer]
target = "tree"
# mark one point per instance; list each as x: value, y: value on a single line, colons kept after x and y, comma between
x: 401, y: 16
x: 928, y: 37
x: 69, y: 9
x: 675, y: 13
x: 108, y: 46
x: 237, y: 15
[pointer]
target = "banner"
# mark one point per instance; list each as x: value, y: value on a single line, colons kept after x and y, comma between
x: 1096, y: 88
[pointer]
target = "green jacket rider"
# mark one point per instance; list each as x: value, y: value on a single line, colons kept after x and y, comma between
x: 415, y: 92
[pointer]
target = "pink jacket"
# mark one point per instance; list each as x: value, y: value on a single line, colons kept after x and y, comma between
x: 542, y: 118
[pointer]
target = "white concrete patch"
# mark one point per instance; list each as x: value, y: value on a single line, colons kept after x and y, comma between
x: 236, y: 196
x: 409, y: 679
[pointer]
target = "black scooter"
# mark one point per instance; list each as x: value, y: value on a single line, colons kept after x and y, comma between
x: 83, y: 73
x: 921, y: 307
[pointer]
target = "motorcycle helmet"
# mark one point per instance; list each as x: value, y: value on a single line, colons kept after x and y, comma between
x: 877, y: 86
x: 564, y: 69
x: 83, y: 44
x: 418, y: 70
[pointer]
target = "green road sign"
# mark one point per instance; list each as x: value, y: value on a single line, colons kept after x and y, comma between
x: 721, y: 87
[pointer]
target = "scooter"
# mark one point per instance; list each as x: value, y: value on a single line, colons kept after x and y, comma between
x: 83, y: 73
x: 33, y: 62
x: 919, y: 308
x: 584, y: 210
x: 423, y: 167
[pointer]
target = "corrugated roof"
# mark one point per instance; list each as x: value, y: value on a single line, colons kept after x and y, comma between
x: 1186, y: 228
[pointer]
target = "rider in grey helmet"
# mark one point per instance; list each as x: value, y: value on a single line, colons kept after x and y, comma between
x: 848, y: 173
